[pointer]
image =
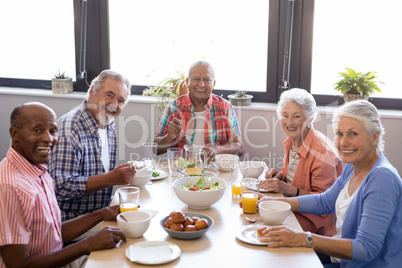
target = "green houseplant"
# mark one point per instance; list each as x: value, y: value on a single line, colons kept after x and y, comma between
x: 357, y: 85
x: 168, y: 89
x: 61, y: 83
x: 240, y: 98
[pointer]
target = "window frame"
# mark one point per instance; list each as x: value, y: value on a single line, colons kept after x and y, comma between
x: 98, y: 53
x: 303, y: 73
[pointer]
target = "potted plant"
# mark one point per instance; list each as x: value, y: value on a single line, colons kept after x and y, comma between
x: 168, y: 89
x: 61, y: 83
x: 356, y: 85
x: 240, y: 98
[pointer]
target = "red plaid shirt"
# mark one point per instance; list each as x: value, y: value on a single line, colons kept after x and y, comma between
x: 220, y: 125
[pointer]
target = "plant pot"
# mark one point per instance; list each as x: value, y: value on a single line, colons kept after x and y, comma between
x: 62, y: 86
x: 240, y: 101
x: 347, y: 97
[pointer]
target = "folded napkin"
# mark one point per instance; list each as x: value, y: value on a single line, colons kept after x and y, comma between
x: 150, y: 254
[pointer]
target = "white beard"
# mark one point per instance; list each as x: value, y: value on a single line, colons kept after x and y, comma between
x: 105, y: 119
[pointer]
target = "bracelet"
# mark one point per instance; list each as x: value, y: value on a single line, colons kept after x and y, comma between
x: 298, y: 191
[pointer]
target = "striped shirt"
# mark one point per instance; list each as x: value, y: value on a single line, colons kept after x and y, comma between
x: 28, y: 208
x: 220, y: 125
x: 76, y: 157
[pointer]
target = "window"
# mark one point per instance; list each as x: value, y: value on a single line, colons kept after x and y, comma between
x: 37, y: 39
x: 366, y: 37
x: 151, y: 40
x: 243, y: 40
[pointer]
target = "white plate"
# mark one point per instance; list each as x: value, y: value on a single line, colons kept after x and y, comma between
x: 248, y: 234
x: 162, y: 175
x: 153, y: 252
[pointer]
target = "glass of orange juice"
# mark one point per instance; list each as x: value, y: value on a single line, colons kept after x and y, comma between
x: 249, y: 197
x: 128, y: 198
x: 237, y: 173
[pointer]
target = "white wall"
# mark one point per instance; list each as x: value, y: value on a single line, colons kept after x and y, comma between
x: 262, y: 133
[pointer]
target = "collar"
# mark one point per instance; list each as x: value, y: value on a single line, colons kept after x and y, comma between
x: 91, y: 123
x: 208, y: 105
x: 305, y: 147
x: 23, y: 164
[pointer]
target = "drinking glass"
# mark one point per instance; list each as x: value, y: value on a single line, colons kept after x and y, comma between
x: 237, y: 173
x: 128, y: 198
x: 250, y: 196
x: 175, y: 159
x: 149, y: 154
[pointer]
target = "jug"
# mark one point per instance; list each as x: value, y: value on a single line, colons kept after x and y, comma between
x: 195, y: 157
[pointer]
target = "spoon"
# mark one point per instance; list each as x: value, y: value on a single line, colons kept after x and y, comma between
x: 121, y: 216
x: 181, y: 172
x: 253, y: 220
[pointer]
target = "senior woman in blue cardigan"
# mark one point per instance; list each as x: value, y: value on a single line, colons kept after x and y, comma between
x: 367, y: 198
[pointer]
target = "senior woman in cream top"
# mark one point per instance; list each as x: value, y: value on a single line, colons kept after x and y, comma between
x: 367, y: 198
x: 311, y: 162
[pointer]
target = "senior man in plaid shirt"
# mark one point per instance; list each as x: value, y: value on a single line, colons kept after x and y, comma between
x: 200, y: 118
x: 83, y: 164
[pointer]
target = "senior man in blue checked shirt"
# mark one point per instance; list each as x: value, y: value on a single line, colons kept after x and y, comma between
x: 83, y: 162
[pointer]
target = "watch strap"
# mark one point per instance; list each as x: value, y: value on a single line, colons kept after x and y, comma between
x: 309, y: 239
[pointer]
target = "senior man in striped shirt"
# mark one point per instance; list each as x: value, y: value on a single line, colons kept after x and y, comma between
x: 200, y: 118
x: 31, y: 233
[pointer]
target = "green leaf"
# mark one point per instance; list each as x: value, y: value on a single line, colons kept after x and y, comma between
x: 357, y: 82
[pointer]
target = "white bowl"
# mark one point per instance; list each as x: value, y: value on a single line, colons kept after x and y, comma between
x: 137, y: 223
x: 274, y: 212
x: 197, y: 199
x: 255, y: 168
x: 225, y: 160
x: 141, y: 178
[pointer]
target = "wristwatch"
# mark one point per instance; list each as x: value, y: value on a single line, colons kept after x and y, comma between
x: 309, y: 239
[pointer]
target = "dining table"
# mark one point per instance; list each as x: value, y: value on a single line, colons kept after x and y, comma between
x: 218, y: 247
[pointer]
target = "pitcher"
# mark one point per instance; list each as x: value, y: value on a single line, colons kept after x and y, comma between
x: 195, y: 157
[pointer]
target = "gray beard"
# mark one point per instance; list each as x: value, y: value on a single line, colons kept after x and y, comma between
x: 105, y: 120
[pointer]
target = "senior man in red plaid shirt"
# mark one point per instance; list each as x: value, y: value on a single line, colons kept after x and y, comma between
x: 200, y: 118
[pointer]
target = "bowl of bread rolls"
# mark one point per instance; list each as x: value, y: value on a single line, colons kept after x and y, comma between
x: 186, y: 225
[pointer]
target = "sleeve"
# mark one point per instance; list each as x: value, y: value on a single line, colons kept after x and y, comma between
x: 234, y: 126
x: 166, y: 118
x: 381, y: 188
x: 14, y: 218
x: 324, y: 172
x: 324, y: 203
x: 65, y: 169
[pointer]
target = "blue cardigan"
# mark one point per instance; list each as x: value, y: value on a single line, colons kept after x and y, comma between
x: 373, y: 220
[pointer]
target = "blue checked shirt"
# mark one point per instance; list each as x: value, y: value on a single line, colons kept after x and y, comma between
x: 76, y: 157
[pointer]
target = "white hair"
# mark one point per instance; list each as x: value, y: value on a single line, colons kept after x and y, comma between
x: 98, y: 82
x: 302, y: 98
x: 202, y: 63
x: 365, y: 112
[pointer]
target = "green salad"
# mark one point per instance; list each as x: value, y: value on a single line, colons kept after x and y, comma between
x: 199, y: 186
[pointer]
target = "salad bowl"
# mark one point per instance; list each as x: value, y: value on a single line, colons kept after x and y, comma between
x: 198, y: 193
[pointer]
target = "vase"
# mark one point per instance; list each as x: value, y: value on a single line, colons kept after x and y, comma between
x: 240, y: 101
x: 62, y: 86
x: 347, y: 97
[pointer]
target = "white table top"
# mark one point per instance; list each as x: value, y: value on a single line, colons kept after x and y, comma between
x: 219, y: 247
